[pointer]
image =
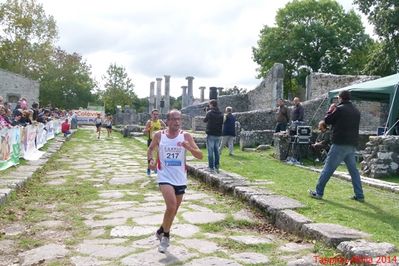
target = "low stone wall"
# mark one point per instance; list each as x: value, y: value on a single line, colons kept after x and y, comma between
x: 198, y: 123
x: 381, y: 156
x: 251, y: 139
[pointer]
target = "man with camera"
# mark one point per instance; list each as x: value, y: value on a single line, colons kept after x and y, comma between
x: 345, y: 119
x: 214, y: 120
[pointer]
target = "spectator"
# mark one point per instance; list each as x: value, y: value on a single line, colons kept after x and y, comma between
x: 26, y: 117
x: 17, y: 119
x: 282, y: 116
x: 65, y: 128
x: 323, y: 141
x: 229, y: 131
x: 4, y: 122
x: 74, y: 120
x: 298, y: 111
x: 44, y: 116
x: 214, y: 120
x: 35, y: 109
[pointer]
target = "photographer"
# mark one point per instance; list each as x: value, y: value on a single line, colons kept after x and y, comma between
x: 214, y: 120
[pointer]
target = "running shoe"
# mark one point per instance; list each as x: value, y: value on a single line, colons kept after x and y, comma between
x: 164, y: 244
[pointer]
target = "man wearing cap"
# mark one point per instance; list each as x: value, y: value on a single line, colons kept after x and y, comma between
x: 345, y: 120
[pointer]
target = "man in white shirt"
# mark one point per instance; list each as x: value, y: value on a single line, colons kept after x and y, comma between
x: 172, y: 144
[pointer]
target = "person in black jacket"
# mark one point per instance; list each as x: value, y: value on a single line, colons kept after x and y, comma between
x: 229, y: 131
x: 345, y: 120
x: 214, y: 120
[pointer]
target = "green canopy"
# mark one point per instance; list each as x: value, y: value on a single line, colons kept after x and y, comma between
x: 382, y: 90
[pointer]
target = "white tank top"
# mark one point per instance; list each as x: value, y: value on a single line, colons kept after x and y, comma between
x: 172, y: 160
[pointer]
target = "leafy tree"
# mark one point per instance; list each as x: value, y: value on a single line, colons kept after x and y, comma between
x: 312, y: 34
x: 118, y: 89
x: 233, y: 91
x: 140, y: 105
x: 384, y: 15
x: 27, y: 35
x: 175, y: 103
x: 66, y: 81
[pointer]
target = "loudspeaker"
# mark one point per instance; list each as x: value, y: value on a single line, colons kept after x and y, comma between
x: 213, y: 93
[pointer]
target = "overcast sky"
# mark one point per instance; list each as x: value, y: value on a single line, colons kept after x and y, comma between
x: 210, y: 40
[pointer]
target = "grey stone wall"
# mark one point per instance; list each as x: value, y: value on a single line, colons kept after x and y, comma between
x: 198, y: 123
x: 264, y: 96
x: 14, y: 85
x: 253, y: 138
x: 239, y: 103
x: 318, y: 84
x: 373, y: 114
x: 381, y: 156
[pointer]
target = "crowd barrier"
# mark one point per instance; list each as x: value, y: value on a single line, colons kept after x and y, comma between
x: 25, y: 142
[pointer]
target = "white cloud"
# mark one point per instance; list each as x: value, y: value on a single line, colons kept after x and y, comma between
x: 210, y: 40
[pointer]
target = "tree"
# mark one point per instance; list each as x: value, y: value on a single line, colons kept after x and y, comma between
x: 233, y: 91
x: 175, y: 103
x: 312, y: 34
x: 118, y: 89
x: 384, y: 15
x: 66, y: 81
x: 27, y: 35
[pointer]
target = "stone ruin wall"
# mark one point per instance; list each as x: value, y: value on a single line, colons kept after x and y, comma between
x: 12, y: 84
x: 381, y: 157
x: 318, y: 84
x: 264, y: 96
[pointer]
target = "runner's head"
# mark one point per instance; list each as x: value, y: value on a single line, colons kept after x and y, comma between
x: 173, y: 119
x: 154, y: 114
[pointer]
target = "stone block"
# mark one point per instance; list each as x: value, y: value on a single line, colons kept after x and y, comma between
x: 291, y: 221
x: 246, y: 192
x: 363, y: 248
x: 271, y: 204
x: 331, y: 234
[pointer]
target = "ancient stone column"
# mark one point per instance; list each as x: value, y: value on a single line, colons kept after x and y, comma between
x: 151, y: 98
x: 167, y: 94
x: 159, y: 93
x: 184, y: 97
x: 202, y: 88
x: 220, y: 89
x: 190, y: 97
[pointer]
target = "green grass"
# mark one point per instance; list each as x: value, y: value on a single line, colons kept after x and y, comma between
x: 379, y: 215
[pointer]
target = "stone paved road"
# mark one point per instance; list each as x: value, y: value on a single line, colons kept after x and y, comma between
x: 94, y: 205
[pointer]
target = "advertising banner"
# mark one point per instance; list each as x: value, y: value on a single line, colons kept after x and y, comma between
x: 30, y: 151
x: 5, y: 148
x: 41, y: 136
x: 87, y: 116
x: 24, y: 142
x: 50, y: 130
